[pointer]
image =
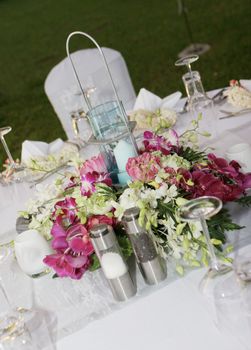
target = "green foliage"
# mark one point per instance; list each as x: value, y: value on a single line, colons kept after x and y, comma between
x: 221, y: 223
x: 95, y: 264
x: 244, y: 201
x: 125, y: 246
x: 192, y: 155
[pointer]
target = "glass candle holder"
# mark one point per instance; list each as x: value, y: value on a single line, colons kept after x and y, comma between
x: 106, y: 120
x: 112, y: 262
x: 116, y: 143
x: 151, y: 265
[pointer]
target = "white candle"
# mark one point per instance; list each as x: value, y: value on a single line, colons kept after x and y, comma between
x: 113, y: 265
x: 30, y: 249
x: 122, y: 152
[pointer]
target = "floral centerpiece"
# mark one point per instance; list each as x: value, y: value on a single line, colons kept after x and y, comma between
x: 168, y: 172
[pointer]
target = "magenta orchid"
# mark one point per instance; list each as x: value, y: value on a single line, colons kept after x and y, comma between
x: 220, y: 179
x: 73, y: 249
x: 93, y: 171
x: 154, y: 142
x: 89, y: 180
x: 65, y: 212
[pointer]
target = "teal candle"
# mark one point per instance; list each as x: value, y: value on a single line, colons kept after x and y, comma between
x: 122, y: 152
x: 123, y: 178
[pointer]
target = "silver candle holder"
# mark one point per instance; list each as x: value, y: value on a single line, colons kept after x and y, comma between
x: 151, y: 265
x: 112, y: 262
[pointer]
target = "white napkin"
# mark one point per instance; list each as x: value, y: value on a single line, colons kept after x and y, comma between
x: 149, y: 101
x: 39, y: 149
x: 246, y: 84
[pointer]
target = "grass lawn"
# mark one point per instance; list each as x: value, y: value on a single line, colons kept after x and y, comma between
x: 148, y: 33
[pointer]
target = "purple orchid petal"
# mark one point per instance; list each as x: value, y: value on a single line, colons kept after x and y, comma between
x: 59, y: 243
x: 76, y: 261
x: 57, y: 230
x: 77, y: 244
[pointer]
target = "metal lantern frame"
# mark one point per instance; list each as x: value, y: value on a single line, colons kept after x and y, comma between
x: 128, y: 124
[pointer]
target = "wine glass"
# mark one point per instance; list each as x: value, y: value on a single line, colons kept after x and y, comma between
x: 13, y: 174
x: 200, y: 209
x: 233, y: 309
x: 75, y: 118
x: 79, y: 115
x: 198, y: 101
x: 14, y: 333
x: 187, y: 61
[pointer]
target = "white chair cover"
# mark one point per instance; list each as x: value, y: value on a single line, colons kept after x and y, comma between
x: 64, y: 93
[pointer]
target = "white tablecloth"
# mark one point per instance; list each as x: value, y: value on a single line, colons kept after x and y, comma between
x: 173, y: 315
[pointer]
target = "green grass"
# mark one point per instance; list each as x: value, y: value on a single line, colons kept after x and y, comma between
x: 148, y: 33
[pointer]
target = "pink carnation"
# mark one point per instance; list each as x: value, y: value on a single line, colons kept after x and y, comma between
x: 144, y: 167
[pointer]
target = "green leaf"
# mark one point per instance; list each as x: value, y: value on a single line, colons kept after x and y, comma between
x: 245, y: 201
x: 221, y: 223
x: 180, y: 227
x: 195, y: 263
x: 228, y: 249
x: 125, y: 246
x: 95, y: 264
x: 180, y: 270
x: 215, y: 241
x: 192, y: 155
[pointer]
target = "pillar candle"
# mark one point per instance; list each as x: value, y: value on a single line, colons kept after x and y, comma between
x: 122, y: 152
x: 30, y: 249
x: 113, y: 265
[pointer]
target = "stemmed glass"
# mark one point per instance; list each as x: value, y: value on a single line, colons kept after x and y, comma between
x: 77, y: 113
x: 12, y: 175
x: 187, y: 61
x: 197, y: 98
x: 198, y: 101
x: 14, y: 333
x: 189, y: 79
x: 75, y: 119
x: 200, y: 209
x: 232, y: 297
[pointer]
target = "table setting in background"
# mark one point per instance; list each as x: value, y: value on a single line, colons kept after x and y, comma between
x: 143, y: 222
